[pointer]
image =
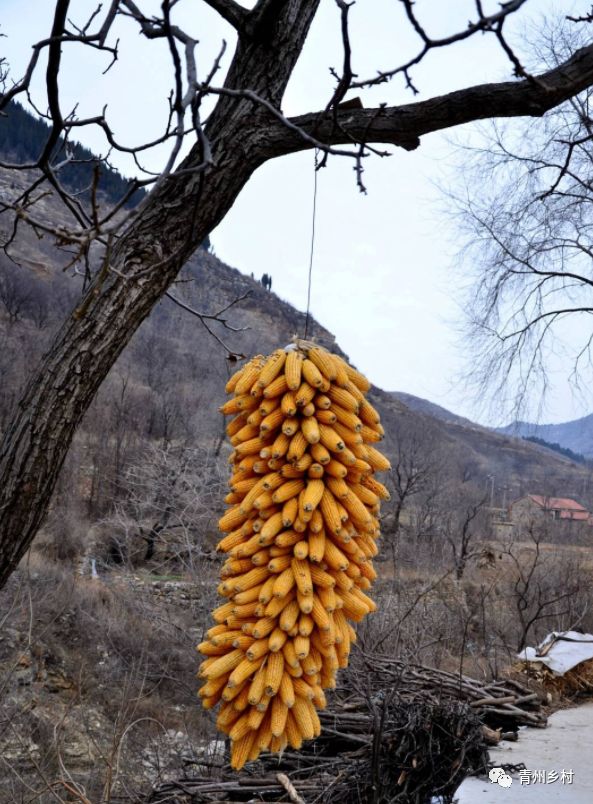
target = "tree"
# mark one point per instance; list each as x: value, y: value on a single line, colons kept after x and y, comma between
x: 144, y: 249
x: 528, y: 237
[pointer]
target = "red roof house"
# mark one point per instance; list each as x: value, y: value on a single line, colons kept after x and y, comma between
x: 554, y: 507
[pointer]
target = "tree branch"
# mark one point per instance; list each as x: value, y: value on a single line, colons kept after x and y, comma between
x: 404, y: 125
x: 232, y: 12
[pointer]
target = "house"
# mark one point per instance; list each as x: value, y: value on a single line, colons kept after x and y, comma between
x: 557, y: 508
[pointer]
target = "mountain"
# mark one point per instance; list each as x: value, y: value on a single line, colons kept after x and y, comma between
x: 576, y: 435
x: 431, y: 409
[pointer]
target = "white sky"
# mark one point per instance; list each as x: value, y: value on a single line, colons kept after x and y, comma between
x: 382, y: 277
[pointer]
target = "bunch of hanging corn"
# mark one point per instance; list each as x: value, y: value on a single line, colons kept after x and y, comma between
x: 301, y: 531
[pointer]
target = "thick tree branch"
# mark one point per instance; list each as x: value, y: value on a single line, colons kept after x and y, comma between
x: 404, y: 125
x: 232, y: 12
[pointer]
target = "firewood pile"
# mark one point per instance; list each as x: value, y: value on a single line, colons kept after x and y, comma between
x: 393, y: 732
x: 576, y: 682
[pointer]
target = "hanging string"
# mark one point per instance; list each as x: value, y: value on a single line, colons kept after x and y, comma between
x: 312, y: 251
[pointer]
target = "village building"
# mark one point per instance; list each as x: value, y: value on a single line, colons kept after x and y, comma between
x: 556, y: 508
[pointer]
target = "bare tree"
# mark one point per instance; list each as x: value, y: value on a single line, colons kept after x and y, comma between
x: 129, y: 258
x: 466, y: 522
x: 541, y: 589
x: 528, y: 238
x: 16, y: 292
x: 171, y: 498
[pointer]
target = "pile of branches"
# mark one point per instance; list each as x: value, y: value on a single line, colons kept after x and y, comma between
x: 502, y: 704
x: 394, y: 732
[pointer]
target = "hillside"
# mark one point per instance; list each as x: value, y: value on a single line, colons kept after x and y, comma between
x: 576, y: 435
x: 431, y: 409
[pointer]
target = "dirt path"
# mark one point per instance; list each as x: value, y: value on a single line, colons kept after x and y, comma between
x: 565, y: 745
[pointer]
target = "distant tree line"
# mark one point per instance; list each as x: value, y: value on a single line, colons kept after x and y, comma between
x: 568, y: 453
x: 23, y: 137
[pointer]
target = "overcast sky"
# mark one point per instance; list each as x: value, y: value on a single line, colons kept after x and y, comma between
x: 384, y: 261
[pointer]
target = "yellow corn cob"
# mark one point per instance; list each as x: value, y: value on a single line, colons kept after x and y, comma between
x: 302, y: 646
x: 377, y: 461
x: 324, y: 362
x: 310, y: 429
x: 376, y: 487
x: 243, y: 671
x: 225, y: 664
x: 278, y: 604
x: 275, y: 389
x: 227, y: 716
x: 249, y: 375
x: 286, y: 690
x: 308, y: 409
x: 257, y: 686
x: 276, y: 640
x: 311, y: 373
x: 312, y: 494
x: 290, y: 426
x: 293, y: 733
x: 246, y: 432
x: 357, y: 378
x: 302, y: 574
x: 304, y: 395
x: 267, y: 590
x: 241, y: 749
x: 326, y: 416
x: 288, y: 404
x: 287, y: 490
x: 344, y: 399
x: 329, y: 510
x: 298, y: 445
x: 287, y: 538
x: 271, y: 422
x: 303, y: 464
x: 301, y: 711
x: 292, y: 369
x: 322, y: 402
x: 369, y: 435
x: 329, y: 438
x: 241, y: 701
x: 368, y: 414
x: 289, y: 616
x: 338, y: 487
x: 279, y: 715
x: 305, y: 602
x: 316, y: 546
x: 289, y: 653
x: 342, y: 378
x: 239, y: 404
x: 272, y: 368
x: 251, y: 447
x: 289, y: 512
x: 274, y: 670
x: 301, y: 550
x: 322, y: 578
x: 254, y: 417
x: 266, y: 406
x: 263, y: 627
x: 316, y: 523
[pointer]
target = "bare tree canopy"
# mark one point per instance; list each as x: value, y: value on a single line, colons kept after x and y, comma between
x: 528, y: 239
x: 130, y: 257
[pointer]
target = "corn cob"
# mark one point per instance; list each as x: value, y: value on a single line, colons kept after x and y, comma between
x: 299, y: 535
